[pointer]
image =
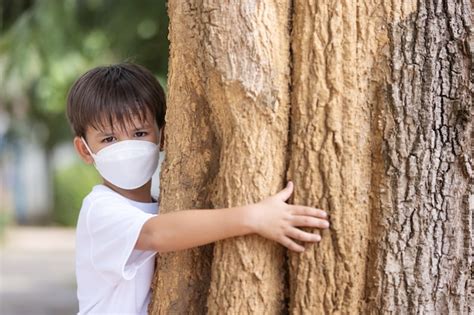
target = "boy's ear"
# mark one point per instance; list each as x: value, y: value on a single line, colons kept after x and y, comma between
x: 82, y: 150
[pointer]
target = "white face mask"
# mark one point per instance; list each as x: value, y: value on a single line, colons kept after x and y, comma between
x: 127, y: 164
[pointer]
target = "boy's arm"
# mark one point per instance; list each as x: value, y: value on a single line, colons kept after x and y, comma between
x: 271, y: 218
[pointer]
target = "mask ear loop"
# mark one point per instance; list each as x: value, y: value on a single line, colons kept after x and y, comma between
x: 159, y: 139
x: 88, y: 149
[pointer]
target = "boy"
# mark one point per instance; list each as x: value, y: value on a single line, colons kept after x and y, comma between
x: 117, y: 114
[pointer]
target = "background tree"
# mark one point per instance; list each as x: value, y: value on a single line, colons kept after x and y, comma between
x: 367, y: 107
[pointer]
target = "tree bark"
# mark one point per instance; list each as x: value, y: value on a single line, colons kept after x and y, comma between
x: 228, y: 102
x: 333, y: 48
x: 182, y: 278
x: 248, y: 93
x: 366, y: 106
x: 422, y: 237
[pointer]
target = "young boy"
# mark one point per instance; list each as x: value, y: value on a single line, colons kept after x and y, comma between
x: 118, y: 116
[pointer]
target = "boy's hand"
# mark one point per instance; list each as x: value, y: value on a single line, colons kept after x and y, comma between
x: 274, y: 219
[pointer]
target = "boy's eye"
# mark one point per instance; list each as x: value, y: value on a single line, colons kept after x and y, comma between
x: 108, y: 139
x: 140, y: 134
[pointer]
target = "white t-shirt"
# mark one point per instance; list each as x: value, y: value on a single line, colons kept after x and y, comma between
x: 112, y: 276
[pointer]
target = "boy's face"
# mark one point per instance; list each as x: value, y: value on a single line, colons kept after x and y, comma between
x: 134, y: 130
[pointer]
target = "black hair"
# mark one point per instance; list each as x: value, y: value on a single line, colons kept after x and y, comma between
x: 114, y: 93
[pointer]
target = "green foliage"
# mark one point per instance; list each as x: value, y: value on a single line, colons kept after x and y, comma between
x: 5, y: 219
x: 72, y: 184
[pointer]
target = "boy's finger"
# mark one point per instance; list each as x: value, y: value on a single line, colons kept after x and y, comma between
x: 302, y: 235
x: 307, y: 221
x: 286, y: 192
x: 314, y: 212
x: 292, y: 245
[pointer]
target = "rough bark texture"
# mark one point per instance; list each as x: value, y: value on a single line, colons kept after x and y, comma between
x: 182, y: 279
x: 227, y: 129
x: 422, y: 221
x: 248, y: 93
x: 379, y: 135
x: 333, y: 47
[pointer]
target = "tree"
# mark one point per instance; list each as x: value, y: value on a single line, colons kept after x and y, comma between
x: 366, y: 107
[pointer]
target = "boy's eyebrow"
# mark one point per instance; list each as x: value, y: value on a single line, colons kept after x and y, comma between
x: 104, y: 133
x: 144, y: 126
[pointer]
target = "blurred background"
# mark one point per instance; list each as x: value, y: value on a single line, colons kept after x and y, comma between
x: 44, y: 46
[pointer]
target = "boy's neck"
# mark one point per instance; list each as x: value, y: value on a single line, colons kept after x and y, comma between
x: 141, y: 194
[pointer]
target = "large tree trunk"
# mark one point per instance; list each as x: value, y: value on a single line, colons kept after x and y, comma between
x: 248, y: 93
x: 227, y: 133
x: 333, y: 50
x: 190, y: 165
x: 422, y: 222
x: 366, y: 106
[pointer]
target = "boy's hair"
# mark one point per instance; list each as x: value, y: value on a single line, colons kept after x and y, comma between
x: 114, y: 93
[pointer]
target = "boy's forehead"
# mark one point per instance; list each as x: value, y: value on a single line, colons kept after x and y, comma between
x: 109, y: 124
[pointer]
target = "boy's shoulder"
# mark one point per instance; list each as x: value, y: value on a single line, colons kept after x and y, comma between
x: 102, y: 193
x: 102, y: 196
x: 102, y: 203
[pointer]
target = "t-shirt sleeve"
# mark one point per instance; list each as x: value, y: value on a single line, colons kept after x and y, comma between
x: 114, y: 228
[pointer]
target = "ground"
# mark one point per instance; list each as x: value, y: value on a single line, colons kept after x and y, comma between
x: 37, y: 271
